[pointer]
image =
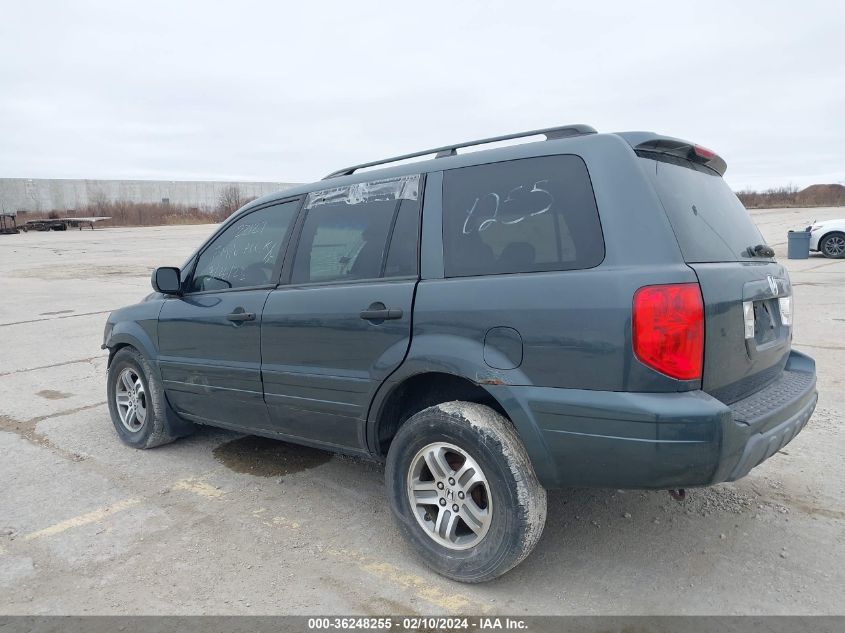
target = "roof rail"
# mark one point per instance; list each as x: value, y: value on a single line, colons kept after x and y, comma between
x: 551, y: 133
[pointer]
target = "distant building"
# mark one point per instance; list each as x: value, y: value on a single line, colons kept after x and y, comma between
x: 35, y: 195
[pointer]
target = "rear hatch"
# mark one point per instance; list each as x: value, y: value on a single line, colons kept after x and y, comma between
x: 739, y: 278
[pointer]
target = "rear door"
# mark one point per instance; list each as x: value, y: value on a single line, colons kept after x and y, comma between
x: 209, y: 338
x: 718, y: 239
x: 343, y: 323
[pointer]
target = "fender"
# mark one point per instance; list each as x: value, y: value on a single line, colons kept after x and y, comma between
x: 464, y: 358
x: 136, y: 325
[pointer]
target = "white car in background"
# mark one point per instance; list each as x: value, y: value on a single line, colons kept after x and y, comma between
x: 828, y: 237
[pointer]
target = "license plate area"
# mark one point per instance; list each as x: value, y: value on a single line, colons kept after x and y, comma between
x: 766, y: 322
x: 767, y: 327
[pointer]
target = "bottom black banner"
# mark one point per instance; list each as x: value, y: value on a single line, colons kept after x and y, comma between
x: 532, y: 624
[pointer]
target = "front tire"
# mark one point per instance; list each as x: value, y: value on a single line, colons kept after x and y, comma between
x: 139, y: 411
x: 462, y: 489
x: 833, y: 245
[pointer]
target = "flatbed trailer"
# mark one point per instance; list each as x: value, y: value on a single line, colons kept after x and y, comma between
x: 60, y: 224
x: 8, y: 224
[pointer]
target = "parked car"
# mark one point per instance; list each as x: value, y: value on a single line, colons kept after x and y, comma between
x: 589, y: 310
x: 828, y: 237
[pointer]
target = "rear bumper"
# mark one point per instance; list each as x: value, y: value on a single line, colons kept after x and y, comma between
x: 761, y: 446
x: 657, y: 440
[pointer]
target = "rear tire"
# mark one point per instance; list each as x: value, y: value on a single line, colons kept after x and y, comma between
x: 833, y: 245
x: 487, y: 478
x: 137, y: 405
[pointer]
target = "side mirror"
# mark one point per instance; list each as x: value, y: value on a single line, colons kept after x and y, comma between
x: 167, y: 281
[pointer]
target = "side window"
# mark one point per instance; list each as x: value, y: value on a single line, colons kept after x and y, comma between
x: 346, y: 232
x: 527, y: 215
x: 403, y: 255
x: 245, y: 254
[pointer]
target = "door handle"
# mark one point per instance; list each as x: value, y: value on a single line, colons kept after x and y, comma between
x: 374, y: 313
x: 239, y: 316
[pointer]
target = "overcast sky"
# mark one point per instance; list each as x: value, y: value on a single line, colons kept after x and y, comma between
x: 266, y: 91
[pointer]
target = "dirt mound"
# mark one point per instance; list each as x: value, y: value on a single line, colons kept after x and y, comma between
x: 821, y: 195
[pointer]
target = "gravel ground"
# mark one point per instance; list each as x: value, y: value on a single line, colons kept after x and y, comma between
x: 221, y: 523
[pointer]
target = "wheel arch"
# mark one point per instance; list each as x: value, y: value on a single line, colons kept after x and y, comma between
x: 415, y: 392
x: 404, y: 397
x: 132, y: 335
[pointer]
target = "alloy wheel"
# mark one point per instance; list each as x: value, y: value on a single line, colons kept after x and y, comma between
x: 449, y: 496
x: 834, y: 246
x: 131, y: 400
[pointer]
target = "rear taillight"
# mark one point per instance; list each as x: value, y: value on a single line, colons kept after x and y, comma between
x: 785, y: 306
x: 668, y: 329
x: 749, y: 319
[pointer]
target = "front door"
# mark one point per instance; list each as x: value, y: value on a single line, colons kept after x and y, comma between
x: 343, y: 323
x: 210, y: 338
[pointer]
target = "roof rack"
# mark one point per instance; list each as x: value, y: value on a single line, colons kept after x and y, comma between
x: 551, y: 133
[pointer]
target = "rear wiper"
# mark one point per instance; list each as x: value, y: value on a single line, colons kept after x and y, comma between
x: 761, y: 250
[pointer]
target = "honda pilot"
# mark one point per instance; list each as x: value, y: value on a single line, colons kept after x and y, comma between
x: 590, y: 310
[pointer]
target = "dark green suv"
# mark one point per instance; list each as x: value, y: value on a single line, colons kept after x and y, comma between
x: 585, y: 310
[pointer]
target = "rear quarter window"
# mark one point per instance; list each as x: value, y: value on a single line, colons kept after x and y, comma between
x: 520, y: 216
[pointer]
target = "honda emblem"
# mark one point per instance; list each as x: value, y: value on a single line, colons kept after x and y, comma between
x: 773, y: 284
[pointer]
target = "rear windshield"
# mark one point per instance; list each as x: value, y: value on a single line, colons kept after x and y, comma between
x: 709, y: 221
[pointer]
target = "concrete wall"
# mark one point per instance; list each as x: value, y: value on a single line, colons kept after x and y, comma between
x: 35, y: 195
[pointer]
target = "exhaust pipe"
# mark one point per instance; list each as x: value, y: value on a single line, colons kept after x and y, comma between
x: 678, y: 495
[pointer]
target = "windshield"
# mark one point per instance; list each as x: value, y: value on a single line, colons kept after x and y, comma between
x: 709, y: 221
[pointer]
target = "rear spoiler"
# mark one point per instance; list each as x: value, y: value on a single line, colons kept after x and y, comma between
x: 652, y: 143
